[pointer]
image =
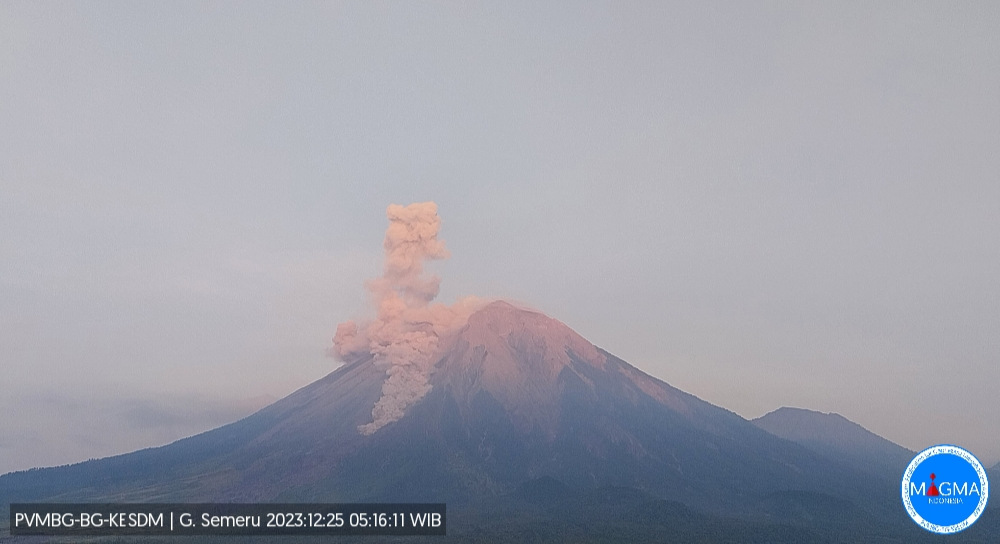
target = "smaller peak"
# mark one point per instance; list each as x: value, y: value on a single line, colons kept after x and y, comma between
x: 793, y: 410
x: 786, y: 412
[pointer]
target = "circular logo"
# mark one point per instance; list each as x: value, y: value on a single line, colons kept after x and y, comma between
x: 945, y: 489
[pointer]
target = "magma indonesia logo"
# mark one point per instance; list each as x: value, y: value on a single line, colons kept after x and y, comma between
x: 945, y: 489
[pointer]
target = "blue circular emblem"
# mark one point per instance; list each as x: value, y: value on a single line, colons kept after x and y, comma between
x: 945, y: 489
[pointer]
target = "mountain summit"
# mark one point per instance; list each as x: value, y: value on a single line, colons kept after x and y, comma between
x: 523, y: 360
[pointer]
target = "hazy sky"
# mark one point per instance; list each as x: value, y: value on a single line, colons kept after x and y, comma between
x: 764, y: 204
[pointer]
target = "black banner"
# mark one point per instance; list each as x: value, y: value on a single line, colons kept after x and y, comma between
x: 226, y: 519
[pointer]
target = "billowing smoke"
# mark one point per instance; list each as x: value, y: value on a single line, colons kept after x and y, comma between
x: 404, y: 335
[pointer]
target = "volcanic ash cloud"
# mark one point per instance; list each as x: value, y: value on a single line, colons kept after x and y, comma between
x: 403, y: 337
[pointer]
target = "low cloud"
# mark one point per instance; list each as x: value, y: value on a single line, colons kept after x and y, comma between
x: 80, y: 427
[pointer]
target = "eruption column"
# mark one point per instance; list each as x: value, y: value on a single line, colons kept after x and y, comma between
x: 403, y: 337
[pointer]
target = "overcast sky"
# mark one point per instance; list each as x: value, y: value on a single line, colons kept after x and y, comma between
x: 764, y: 204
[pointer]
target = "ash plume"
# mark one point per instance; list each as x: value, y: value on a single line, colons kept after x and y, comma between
x: 404, y: 335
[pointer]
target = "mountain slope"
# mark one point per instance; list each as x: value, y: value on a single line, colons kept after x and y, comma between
x: 836, y: 437
x: 516, y: 396
x: 228, y: 463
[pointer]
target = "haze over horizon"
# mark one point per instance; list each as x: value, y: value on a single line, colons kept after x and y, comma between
x: 762, y: 205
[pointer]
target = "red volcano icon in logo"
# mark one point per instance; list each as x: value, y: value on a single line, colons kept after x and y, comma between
x: 932, y: 492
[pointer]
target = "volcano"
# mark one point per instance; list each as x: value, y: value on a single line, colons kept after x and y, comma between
x: 520, y: 409
x: 515, y: 396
